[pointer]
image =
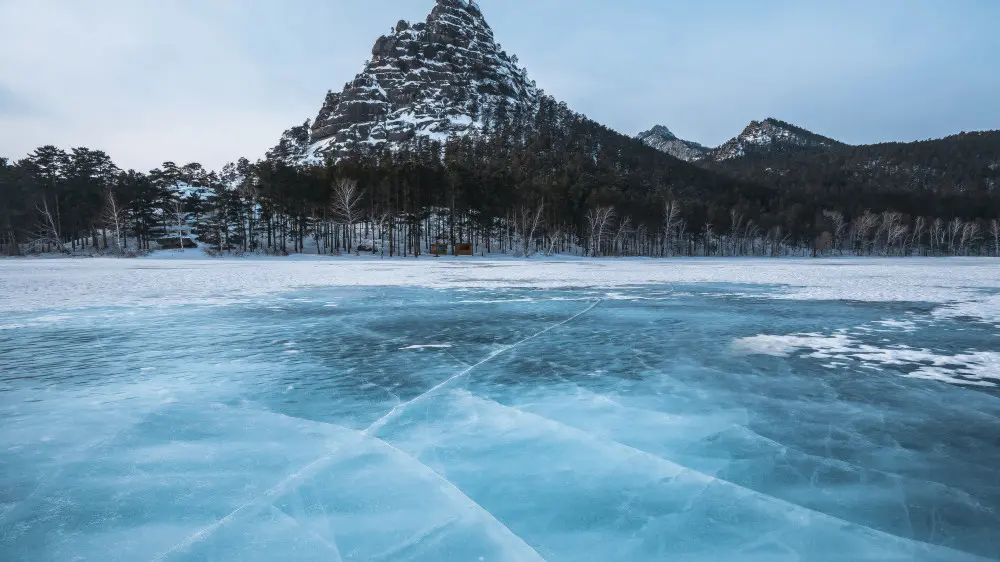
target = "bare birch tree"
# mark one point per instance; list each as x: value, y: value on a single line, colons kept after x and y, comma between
x: 955, y: 228
x: 526, y: 224
x: 382, y: 223
x: 707, y: 234
x: 346, y: 204
x: 552, y: 243
x: 937, y: 235
x: 671, y: 222
x: 180, y: 221
x: 970, y: 234
x: 735, y: 230
x: 916, y: 239
x: 113, y: 217
x: 46, y: 234
x: 995, y: 231
x: 897, y: 237
x: 598, y: 221
x: 750, y: 234
x: 778, y: 241
x: 624, y: 230
x: 890, y: 230
x: 861, y: 228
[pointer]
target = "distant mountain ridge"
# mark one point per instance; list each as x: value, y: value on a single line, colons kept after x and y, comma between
x: 660, y: 138
x: 963, y: 163
x: 778, y: 154
x: 759, y: 139
x: 772, y: 136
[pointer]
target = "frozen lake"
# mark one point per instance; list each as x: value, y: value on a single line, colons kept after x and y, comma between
x: 562, y: 411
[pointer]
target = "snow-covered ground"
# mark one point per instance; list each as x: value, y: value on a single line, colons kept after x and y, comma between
x: 961, y: 286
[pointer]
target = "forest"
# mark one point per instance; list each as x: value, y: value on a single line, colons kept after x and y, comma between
x: 547, y: 181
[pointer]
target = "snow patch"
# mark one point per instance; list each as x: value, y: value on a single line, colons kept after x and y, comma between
x: 785, y: 346
x: 52, y: 319
x: 979, y: 368
x: 984, y: 309
x: 903, y: 325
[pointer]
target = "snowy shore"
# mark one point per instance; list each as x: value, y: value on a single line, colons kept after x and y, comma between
x: 962, y: 286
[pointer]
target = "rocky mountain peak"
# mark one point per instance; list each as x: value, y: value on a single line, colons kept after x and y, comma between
x: 660, y: 131
x: 660, y: 138
x: 772, y: 136
x: 434, y: 78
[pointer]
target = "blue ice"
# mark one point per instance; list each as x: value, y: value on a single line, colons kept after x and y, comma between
x: 430, y: 425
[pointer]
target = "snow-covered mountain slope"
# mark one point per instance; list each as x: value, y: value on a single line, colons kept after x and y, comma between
x: 660, y: 138
x: 769, y: 137
x: 434, y: 79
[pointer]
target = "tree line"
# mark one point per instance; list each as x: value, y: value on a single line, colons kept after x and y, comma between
x: 544, y: 180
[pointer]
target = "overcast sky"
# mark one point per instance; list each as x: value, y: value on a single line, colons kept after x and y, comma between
x: 213, y: 80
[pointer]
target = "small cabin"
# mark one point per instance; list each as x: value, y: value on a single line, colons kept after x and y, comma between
x: 463, y: 249
x: 439, y: 249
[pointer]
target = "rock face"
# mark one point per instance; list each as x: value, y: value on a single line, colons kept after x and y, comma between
x: 435, y: 79
x: 760, y: 138
x: 660, y: 138
x: 769, y: 137
x: 294, y: 144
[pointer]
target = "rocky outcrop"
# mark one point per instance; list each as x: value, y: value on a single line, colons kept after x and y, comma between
x: 770, y: 137
x: 660, y: 138
x: 435, y: 78
x: 294, y: 143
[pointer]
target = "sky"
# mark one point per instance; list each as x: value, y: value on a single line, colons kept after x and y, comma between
x: 213, y: 80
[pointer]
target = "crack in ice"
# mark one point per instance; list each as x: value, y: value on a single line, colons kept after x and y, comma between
x: 708, y: 479
x: 458, y: 491
x: 309, y: 471
x: 270, y: 494
x: 322, y: 540
x: 306, y: 471
x: 379, y: 423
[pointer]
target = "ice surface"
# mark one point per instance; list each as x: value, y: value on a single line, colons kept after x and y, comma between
x: 962, y: 286
x: 662, y: 421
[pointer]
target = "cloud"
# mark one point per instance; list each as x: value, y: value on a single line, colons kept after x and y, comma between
x: 211, y: 81
x: 145, y: 81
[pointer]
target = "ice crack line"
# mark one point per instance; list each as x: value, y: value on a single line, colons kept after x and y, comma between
x: 276, y: 491
x: 399, y: 408
x: 313, y: 467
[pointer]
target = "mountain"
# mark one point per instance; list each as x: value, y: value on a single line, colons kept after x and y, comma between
x: 441, y: 117
x: 967, y: 163
x: 432, y: 79
x: 791, y: 159
x: 760, y: 139
x: 660, y: 138
x: 445, y: 81
x: 443, y: 124
x: 771, y: 136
